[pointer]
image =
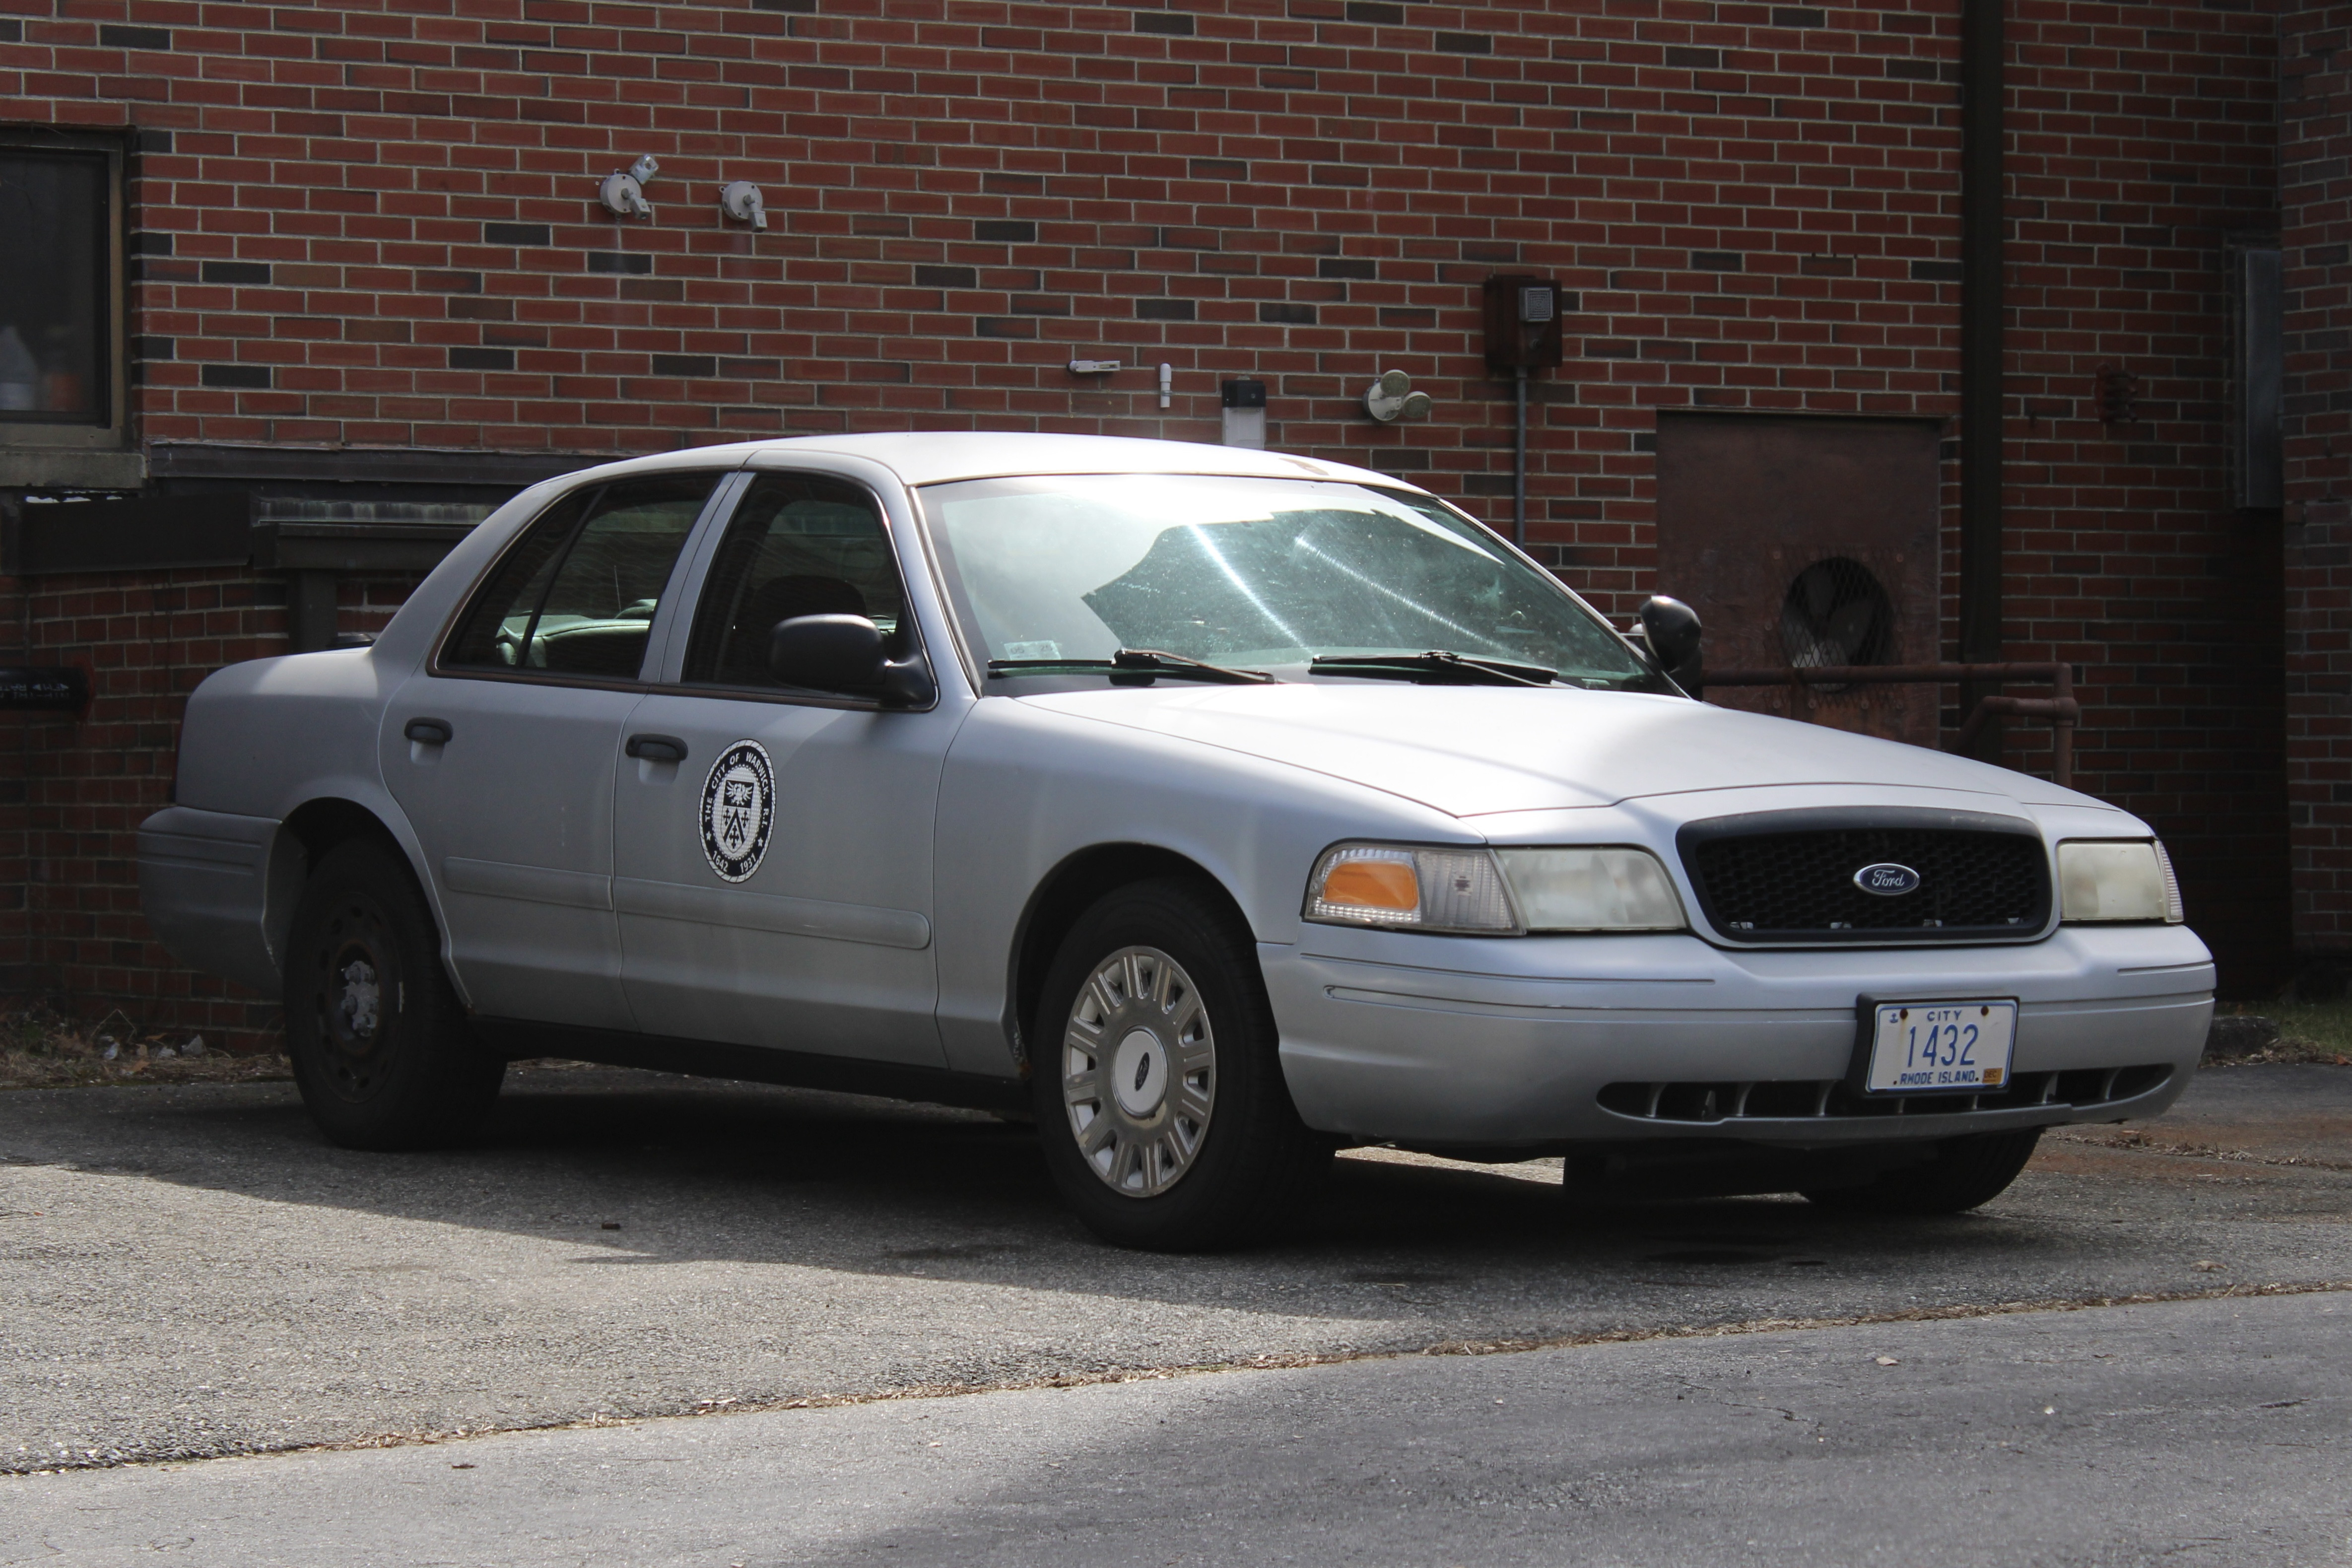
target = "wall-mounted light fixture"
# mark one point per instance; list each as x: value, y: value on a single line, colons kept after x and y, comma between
x: 1243, y: 413
x: 623, y: 191
x: 741, y: 200
x: 1393, y: 398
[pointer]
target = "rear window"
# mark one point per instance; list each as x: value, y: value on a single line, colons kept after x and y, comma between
x: 576, y: 594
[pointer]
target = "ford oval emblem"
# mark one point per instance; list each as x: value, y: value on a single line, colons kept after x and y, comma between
x: 1888, y: 879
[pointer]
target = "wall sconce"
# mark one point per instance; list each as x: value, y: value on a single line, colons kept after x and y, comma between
x: 1243, y: 413
x: 623, y: 191
x: 741, y: 200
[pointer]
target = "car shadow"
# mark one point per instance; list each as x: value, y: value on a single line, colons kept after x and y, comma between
x: 643, y: 1170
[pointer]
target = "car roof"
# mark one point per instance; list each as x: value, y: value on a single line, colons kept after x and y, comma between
x: 932, y: 456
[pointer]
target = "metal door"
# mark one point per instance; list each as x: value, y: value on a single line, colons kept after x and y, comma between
x: 515, y: 812
x: 1808, y: 540
x: 503, y: 750
x: 774, y: 884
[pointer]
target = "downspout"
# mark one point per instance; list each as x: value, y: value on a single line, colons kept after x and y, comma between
x: 1983, y: 322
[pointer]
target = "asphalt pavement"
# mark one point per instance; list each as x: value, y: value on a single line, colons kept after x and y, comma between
x: 2202, y: 1432
x: 187, y: 1272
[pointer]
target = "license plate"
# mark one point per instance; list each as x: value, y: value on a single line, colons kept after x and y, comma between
x: 1948, y: 1047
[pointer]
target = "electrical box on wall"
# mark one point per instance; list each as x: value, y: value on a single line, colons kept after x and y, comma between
x: 1522, y: 323
x: 1244, y: 413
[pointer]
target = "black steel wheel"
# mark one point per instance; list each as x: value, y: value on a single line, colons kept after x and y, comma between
x: 1160, y: 1097
x: 1964, y: 1173
x: 380, y: 1046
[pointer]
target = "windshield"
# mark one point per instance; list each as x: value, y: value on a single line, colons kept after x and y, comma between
x: 1251, y: 573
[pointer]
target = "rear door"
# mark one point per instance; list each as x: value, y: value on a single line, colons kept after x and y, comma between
x: 502, y: 749
x: 773, y: 883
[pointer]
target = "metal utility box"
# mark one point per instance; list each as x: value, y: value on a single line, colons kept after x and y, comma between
x: 1522, y: 323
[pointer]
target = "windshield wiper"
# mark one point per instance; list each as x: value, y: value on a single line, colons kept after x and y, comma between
x: 1434, y: 666
x: 1141, y: 661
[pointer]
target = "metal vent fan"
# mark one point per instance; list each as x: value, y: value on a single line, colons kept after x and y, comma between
x: 1835, y: 613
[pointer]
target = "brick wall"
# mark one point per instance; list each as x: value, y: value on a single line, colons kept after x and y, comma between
x: 73, y: 790
x: 2316, y: 197
x: 2142, y: 140
x: 376, y: 226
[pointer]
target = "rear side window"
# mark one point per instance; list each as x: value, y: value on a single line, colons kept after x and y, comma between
x: 797, y: 545
x: 576, y: 595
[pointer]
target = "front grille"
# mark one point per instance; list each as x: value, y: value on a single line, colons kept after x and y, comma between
x: 1774, y: 878
x: 1788, y: 1099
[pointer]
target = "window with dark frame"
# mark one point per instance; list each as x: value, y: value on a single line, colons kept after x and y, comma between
x: 57, y: 315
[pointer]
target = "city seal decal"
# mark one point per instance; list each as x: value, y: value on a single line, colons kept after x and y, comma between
x: 738, y: 801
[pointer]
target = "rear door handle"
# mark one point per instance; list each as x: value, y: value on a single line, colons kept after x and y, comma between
x: 656, y: 747
x: 429, y: 732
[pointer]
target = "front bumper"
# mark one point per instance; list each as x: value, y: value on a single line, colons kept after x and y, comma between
x: 1441, y: 1040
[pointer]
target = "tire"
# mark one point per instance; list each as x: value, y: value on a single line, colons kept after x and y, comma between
x: 1160, y: 1097
x: 1964, y: 1173
x: 380, y: 1046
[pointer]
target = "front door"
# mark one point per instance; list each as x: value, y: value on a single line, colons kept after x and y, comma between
x: 774, y: 884
x: 502, y: 750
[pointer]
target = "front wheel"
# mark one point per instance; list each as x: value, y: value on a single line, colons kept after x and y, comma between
x: 1964, y: 1173
x: 1160, y: 1097
x: 379, y: 1045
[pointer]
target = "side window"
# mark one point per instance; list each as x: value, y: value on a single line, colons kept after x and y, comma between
x: 797, y: 545
x: 577, y: 595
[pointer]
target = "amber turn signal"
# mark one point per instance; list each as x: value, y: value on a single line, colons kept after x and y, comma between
x: 1373, y: 885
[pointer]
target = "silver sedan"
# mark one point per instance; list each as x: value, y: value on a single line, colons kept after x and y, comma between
x: 1218, y: 807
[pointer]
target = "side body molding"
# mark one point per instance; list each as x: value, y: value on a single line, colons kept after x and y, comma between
x: 772, y: 911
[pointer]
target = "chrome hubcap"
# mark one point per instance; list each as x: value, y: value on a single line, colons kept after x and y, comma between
x: 1139, y: 1071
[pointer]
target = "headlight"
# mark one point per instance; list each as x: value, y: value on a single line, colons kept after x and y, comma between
x: 1495, y: 892
x: 1593, y: 889
x: 2116, y: 880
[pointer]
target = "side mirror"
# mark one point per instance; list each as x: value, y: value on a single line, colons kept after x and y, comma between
x: 1671, y: 629
x: 847, y: 653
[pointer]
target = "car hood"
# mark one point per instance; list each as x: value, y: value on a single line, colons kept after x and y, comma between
x: 1469, y: 750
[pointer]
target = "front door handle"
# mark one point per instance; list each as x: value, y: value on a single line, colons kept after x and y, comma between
x: 429, y: 732
x: 656, y: 747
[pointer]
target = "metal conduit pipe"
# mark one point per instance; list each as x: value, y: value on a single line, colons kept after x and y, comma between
x: 1519, y: 468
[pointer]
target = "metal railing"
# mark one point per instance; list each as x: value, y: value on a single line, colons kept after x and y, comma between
x: 2059, y: 708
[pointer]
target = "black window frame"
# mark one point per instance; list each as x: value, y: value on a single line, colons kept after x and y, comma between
x: 111, y: 430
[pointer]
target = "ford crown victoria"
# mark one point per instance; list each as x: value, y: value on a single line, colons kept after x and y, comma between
x: 1219, y: 808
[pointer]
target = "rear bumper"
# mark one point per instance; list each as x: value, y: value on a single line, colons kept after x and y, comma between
x: 1443, y: 1040
x: 204, y: 881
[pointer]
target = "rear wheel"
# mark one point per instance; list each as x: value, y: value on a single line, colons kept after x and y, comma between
x: 379, y: 1045
x: 1160, y: 1097
x: 1964, y: 1173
